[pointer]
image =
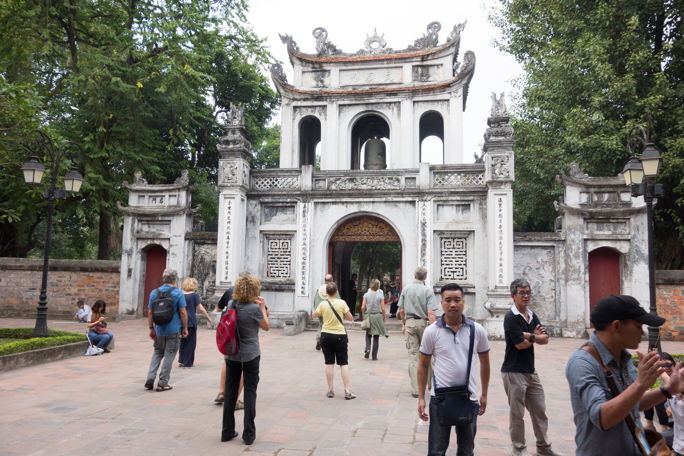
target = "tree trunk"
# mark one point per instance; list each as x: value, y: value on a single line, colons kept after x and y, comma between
x: 104, y: 235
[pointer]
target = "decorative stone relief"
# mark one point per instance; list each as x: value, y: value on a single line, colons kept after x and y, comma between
x: 234, y: 142
x: 499, y: 108
x: 375, y: 44
x: 537, y: 265
x: 278, y: 73
x: 236, y: 115
x: 364, y: 183
x: 366, y: 229
x: 278, y: 256
x: 429, y: 39
x: 323, y: 45
x: 290, y: 42
x: 227, y: 227
x: 453, y: 254
x: 275, y: 183
x: 501, y: 167
x: 229, y: 172
x: 138, y: 179
x: 203, y: 268
x: 304, y: 240
x: 576, y: 172
x: 452, y: 179
x: 277, y: 213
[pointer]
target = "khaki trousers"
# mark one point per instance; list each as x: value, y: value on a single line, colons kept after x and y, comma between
x: 414, y: 334
x: 525, y: 391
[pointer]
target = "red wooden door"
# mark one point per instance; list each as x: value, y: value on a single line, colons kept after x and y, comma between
x: 604, y: 274
x: 155, y: 263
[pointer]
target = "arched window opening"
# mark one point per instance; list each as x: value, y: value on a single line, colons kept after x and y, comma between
x: 309, y: 139
x: 370, y: 127
x: 431, y: 138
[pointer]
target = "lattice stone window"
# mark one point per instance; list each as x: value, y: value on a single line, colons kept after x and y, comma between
x: 278, y: 256
x: 453, y: 254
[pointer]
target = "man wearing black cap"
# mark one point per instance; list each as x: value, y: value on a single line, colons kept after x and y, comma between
x: 600, y: 416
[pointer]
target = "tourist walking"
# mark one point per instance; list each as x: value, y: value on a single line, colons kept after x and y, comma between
x: 334, y: 341
x: 456, y: 344
x: 417, y: 305
x: 98, y: 333
x: 166, y: 336
x: 320, y: 296
x: 186, y: 353
x: 373, y: 307
x: 603, y: 419
x: 521, y: 382
x: 251, y: 316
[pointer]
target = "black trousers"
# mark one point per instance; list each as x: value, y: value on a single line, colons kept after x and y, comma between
x: 186, y: 353
x: 234, y: 370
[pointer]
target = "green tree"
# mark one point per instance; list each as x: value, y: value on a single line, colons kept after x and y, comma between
x: 594, y: 70
x: 267, y: 153
x: 139, y: 85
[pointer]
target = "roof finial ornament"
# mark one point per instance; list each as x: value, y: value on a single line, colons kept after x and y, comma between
x: 278, y: 73
x: 499, y: 108
x: 323, y: 45
x: 290, y: 42
x: 236, y: 115
x: 375, y: 44
x: 429, y: 39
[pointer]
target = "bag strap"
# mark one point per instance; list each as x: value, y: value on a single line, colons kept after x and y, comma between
x: 614, y: 390
x: 337, y: 315
x: 471, y: 348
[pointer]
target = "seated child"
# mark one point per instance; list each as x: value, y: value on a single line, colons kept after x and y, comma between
x: 84, y: 313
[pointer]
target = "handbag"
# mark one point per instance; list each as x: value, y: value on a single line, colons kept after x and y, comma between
x: 650, y: 443
x: 452, y: 404
x: 365, y: 323
x: 92, y: 350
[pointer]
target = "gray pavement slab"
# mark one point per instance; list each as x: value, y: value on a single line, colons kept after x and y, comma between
x: 86, y: 405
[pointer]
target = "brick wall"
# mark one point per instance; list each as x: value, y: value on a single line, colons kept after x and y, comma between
x: 68, y: 281
x: 670, y: 302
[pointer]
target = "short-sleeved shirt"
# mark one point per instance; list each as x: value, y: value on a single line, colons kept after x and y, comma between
x: 676, y: 405
x: 331, y: 324
x: 249, y: 316
x: 515, y: 324
x: 449, y: 350
x: 373, y: 300
x: 84, y: 313
x: 588, y: 391
x: 192, y: 300
x: 174, y: 325
x: 417, y: 299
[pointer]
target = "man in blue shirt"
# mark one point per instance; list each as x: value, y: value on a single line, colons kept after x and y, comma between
x: 599, y: 417
x: 165, y: 337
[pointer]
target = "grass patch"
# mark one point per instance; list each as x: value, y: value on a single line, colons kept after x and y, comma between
x: 17, y: 340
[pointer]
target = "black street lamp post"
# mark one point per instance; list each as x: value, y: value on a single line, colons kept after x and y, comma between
x: 33, y: 174
x: 640, y: 175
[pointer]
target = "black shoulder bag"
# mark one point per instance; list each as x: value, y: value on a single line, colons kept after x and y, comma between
x: 453, y: 404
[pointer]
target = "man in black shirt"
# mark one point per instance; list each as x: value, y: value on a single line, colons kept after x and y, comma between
x: 524, y: 389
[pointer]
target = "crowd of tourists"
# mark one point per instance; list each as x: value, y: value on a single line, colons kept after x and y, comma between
x: 607, y: 391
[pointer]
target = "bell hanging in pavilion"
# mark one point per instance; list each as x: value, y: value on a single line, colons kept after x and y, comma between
x: 374, y: 155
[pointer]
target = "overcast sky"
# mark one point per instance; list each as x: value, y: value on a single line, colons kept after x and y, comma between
x: 348, y: 22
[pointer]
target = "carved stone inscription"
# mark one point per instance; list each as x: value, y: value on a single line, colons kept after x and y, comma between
x: 372, y: 76
x: 278, y: 214
x: 607, y: 226
x: 453, y: 254
x: 453, y: 212
x: 278, y: 256
x: 536, y: 264
x: 426, y: 73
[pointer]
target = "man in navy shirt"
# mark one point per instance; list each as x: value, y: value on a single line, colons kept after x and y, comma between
x: 166, y: 338
x: 521, y: 382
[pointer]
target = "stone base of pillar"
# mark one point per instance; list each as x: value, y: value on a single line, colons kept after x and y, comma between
x: 498, y: 303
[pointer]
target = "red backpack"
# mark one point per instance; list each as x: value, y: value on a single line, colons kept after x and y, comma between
x: 226, y: 332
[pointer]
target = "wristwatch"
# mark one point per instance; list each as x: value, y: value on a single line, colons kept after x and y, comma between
x: 665, y: 392
x: 532, y: 338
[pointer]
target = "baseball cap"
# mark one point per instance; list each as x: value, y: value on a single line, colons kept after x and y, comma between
x: 622, y: 307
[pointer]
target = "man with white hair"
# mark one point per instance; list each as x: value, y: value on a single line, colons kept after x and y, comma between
x: 166, y: 336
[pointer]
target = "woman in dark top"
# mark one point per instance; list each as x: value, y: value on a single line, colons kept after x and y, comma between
x: 186, y: 353
x: 252, y: 316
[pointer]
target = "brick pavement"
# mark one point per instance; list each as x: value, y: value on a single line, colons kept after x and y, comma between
x: 87, y: 405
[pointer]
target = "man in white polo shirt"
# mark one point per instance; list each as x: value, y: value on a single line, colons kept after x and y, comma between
x: 448, y: 341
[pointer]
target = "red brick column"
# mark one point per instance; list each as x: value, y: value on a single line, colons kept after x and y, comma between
x: 670, y: 302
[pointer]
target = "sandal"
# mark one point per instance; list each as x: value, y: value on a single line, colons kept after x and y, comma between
x: 219, y: 398
x: 331, y: 394
x: 161, y: 389
x: 239, y: 405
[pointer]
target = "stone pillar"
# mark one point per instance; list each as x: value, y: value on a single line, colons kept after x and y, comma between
x: 233, y: 182
x: 499, y: 175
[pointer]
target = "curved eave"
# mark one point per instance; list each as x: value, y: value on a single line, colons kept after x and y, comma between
x: 405, y: 54
x: 294, y: 93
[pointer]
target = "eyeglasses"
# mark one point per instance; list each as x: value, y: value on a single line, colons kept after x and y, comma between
x: 524, y: 293
x: 667, y: 364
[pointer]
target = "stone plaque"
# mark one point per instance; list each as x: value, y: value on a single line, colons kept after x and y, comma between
x: 278, y: 214
x: 537, y: 264
x: 607, y: 226
x: 453, y: 212
x: 371, y: 76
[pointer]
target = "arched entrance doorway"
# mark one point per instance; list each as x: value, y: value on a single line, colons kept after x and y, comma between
x: 154, y: 258
x: 604, y: 274
x: 369, y: 247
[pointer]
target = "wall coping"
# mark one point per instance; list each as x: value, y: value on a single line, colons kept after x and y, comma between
x: 669, y: 277
x: 34, y: 264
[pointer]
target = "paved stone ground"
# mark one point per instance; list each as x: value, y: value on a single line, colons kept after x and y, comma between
x: 97, y: 405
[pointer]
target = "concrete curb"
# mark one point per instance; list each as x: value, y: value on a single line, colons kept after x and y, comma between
x: 43, y: 355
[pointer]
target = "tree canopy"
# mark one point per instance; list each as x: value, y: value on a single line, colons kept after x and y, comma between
x: 138, y: 84
x: 595, y: 70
